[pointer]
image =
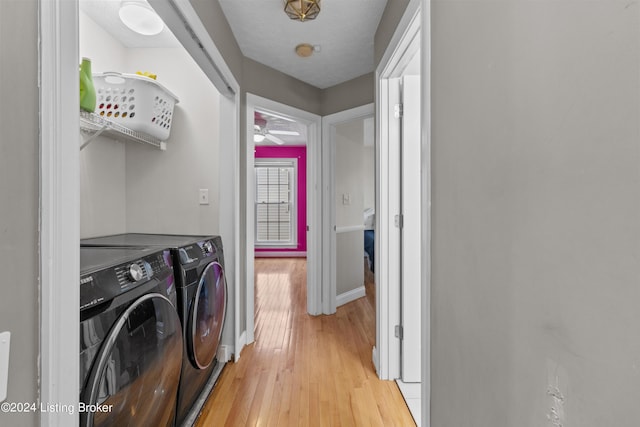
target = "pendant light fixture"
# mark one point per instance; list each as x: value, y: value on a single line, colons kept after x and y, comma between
x: 302, y: 10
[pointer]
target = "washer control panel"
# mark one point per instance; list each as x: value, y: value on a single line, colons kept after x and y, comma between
x: 103, y: 285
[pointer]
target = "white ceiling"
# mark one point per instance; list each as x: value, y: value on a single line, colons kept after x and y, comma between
x: 105, y: 14
x: 344, y: 29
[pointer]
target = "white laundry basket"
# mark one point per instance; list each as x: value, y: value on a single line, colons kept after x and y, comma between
x: 136, y: 102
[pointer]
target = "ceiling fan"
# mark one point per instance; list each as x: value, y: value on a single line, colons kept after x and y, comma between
x: 260, y: 131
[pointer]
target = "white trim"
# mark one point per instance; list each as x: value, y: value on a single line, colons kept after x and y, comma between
x: 391, y: 63
x: 230, y: 199
x: 59, y: 210
x: 425, y: 192
x: 224, y: 353
x: 411, y: 243
x: 349, y: 228
x: 374, y: 358
x: 249, y: 220
x: 387, y: 236
x: 413, y: 399
x: 241, y: 338
x: 329, y: 250
x: 187, y: 27
x: 381, y: 250
x: 314, y: 243
x: 352, y: 295
x: 242, y: 341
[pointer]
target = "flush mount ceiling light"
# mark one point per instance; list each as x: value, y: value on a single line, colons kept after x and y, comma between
x: 139, y: 17
x: 304, y: 50
x: 302, y: 10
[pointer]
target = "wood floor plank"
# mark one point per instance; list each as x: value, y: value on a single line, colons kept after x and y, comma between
x: 304, y: 370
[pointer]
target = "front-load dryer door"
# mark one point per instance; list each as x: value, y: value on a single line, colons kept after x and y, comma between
x: 206, y: 316
x: 134, y: 379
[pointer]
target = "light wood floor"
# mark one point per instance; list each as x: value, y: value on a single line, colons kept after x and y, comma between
x: 304, y: 370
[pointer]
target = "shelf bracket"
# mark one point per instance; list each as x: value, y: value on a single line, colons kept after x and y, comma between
x: 92, y: 137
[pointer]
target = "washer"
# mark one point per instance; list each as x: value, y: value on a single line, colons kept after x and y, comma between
x: 202, y: 297
x: 131, y: 342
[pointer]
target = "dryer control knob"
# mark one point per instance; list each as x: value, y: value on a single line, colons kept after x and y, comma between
x: 207, y: 247
x: 135, y: 272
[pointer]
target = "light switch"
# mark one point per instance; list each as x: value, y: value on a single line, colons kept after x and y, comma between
x: 204, y: 196
x: 5, y: 340
x: 346, y: 199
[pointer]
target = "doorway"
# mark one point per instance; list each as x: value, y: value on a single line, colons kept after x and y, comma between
x: 60, y: 231
x: 309, y: 126
x: 403, y: 214
x: 347, y: 135
x: 280, y: 204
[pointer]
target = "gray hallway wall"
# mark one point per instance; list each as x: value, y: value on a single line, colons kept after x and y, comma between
x: 536, y: 230
x: 19, y: 181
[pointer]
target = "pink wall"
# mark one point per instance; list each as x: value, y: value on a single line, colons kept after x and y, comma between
x: 291, y: 152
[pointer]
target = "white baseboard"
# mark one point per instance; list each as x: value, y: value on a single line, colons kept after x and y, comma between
x: 224, y: 353
x: 282, y: 254
x: 242, y: 341
x: 374, y: 359
x: 352, y: 295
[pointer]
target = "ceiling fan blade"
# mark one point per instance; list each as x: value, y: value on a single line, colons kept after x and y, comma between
x: 274, y: 139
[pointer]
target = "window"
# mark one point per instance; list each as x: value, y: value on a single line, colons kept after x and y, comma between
x: 275, y: 202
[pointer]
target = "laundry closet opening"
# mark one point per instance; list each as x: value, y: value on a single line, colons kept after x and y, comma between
x: 130, y: 187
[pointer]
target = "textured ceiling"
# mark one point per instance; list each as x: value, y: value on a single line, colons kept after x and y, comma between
x: 344, y: 29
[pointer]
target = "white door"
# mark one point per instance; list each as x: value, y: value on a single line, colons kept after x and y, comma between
x: 410, y: 208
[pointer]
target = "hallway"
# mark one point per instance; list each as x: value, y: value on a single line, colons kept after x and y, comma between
x: 304, y: 370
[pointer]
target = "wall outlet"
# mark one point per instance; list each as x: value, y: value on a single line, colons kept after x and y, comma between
x: 204, y: 196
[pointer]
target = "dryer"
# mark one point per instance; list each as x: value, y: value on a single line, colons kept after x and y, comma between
x: 131, y: 342
x: 202, y: 297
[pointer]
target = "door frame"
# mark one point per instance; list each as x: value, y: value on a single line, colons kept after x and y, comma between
x: 59, y: 210
x: 59, y: 217
x: 411, y: 243
x: 425, y: 199
x: 314, y: 204
x: 413, y: 28
x: 329, y: 261
x: 403, y: 46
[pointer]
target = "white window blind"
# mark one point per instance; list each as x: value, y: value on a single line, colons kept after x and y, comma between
x: 275, y: 203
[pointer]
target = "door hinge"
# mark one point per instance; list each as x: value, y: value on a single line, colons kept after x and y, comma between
x: 398, y: 220
x: 399, y: 331
x: 398, y: 111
